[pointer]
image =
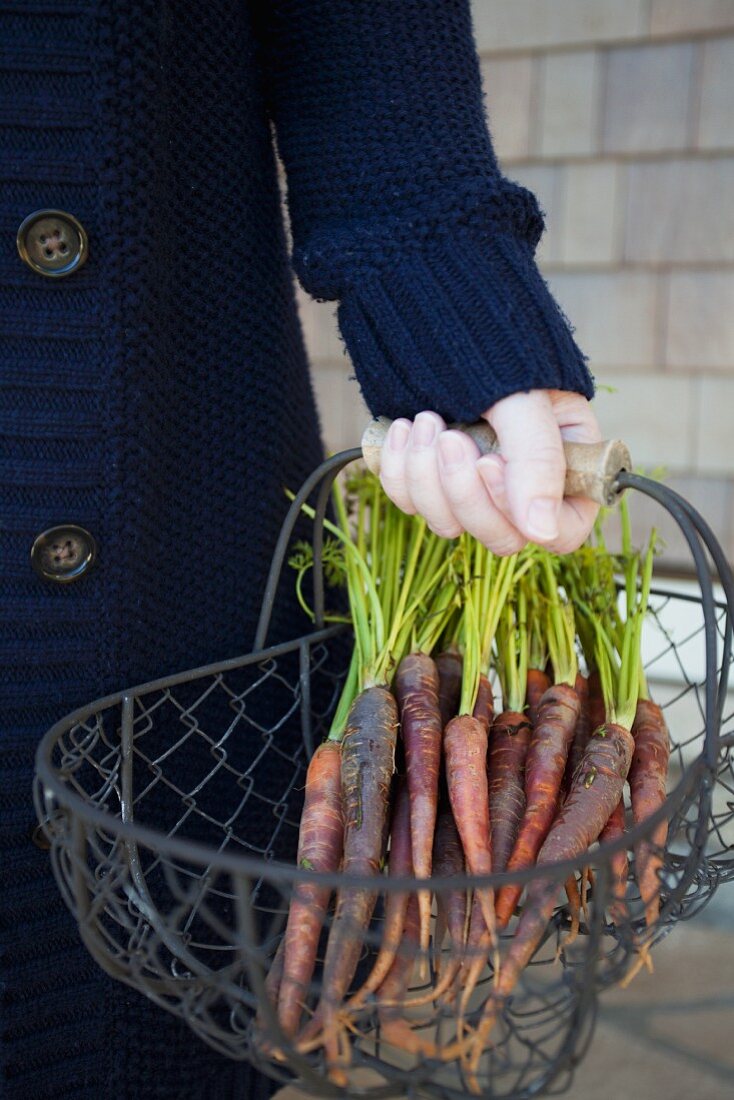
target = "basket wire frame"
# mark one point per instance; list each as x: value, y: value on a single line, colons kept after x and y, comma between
x: 172, y: 813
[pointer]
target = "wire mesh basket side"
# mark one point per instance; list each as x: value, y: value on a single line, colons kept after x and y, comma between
x: 189, y: 905
x: 173, y: 808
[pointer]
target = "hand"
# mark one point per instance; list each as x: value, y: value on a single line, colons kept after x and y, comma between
x: 505, y: 501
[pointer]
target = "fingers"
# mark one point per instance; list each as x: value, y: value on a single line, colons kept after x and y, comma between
x: 575, y: 523
x: 575, y: 416
x: 571, y: 418
x: 575, y: 519
x: 502, y: 501
x: 423, y: 478
x: 535, y: 467
x: 392, y: 465
x: 468, y: 497
x: 409, y: 472
x: 428, y: 470
x: 577, y: 421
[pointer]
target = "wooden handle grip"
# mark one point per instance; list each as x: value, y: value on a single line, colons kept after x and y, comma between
x: 592, y: 469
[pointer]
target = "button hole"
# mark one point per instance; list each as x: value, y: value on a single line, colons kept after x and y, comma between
x: 47, y: 252
x: 43, y: 239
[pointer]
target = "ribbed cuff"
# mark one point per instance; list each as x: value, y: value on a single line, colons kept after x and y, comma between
x: 457, y: 324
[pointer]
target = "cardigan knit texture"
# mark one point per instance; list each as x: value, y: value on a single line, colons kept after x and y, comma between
x: 160, y: 396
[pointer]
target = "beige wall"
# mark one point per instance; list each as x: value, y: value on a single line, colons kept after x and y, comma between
x: 619, y: 114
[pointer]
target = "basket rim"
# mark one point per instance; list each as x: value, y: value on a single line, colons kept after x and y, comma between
x: 255, y: 867
x: 54, y: 787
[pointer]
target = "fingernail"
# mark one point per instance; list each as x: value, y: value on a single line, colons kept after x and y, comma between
x: 489, y: 470
x: 543, y: 518
x: 451, y: 452
x: 399, y: 435
x: 424, y: 430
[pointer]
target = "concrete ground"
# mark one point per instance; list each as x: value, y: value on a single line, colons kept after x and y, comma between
x: 670, y: 1035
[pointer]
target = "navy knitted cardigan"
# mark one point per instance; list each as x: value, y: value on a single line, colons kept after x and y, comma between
x: 160, y: 396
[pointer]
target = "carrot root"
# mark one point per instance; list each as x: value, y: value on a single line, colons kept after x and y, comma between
x: 417, y: 692
x: 595, y: 792
x: 643, y: 959
x: 319, y: 849
x: 391, y: 998
x: 544, y: 770
x: 618, y: 865
x: 537, y: 684
x: 574, y: 908
x: 508, y: 746
x: 272, y: 989
x: 648, y: 778
x: 465, y: 751
x: 448, y: 860
x: 367, y: 764
x: 400, y: 864
x: 449, y: 665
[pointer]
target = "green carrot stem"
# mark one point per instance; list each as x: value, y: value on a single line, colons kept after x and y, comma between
x: 375, y: 525
x: 386, y: 651
x: 561, y: 628
x: 437, y: 618
x: 605, y: 664
x: 451, y: 637
x: 573, y: 575
x: 494, y: 599
x: 523, y: 650
x: 347, y: 697
x: 512, y: 651
x: 388, y: 580
x: 647, y: 570
x: 626, y: 524
x: 629, y: 677
x: 361, y: 526
x: 402, y: 643
x: 364, y: 600
x: 435, y: 551
x: 299, y: 593
x: 329, y: 616
x: 470, y: 634
x: 537, y: 645
x: 598, y: 531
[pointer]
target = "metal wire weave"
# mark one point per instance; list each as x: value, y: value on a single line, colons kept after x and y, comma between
x: 172, y: 811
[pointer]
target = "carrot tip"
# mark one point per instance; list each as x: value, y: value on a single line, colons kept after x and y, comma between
x: 424, y: 907
x: 423, y: 970
x: 479, y: 1044
x: 643, y: 959
x: 398, y: 1033
x: 455, y: 1050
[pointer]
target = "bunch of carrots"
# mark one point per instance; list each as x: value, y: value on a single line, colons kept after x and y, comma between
x: 420, y: 777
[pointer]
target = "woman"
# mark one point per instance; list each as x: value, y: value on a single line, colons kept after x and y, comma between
x: 156, y: 393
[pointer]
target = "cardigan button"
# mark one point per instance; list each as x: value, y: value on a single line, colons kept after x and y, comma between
x: 52, y: 243
x: 63, y: 554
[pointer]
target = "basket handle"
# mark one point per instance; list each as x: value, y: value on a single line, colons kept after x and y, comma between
x: 592, y: 469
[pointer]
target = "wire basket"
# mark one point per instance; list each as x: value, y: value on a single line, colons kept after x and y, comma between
x: 172, y: 813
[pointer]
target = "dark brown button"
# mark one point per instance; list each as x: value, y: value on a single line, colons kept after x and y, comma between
x: 63, y: 554
x: 39, y: 838
x: 52, y: 243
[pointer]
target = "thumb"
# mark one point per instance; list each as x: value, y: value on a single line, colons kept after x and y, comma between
x: 535, y: 466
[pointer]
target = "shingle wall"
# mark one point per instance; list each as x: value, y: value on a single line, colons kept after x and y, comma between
x: 619, y: 114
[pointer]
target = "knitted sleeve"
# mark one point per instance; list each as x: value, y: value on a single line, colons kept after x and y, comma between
x: 399, y: 211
